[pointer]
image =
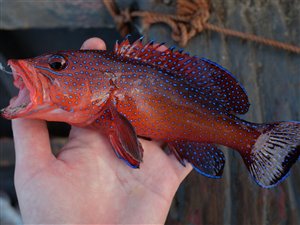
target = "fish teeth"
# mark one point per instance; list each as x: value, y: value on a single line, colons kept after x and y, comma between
x: 17, y: 108
x: 3, y: 69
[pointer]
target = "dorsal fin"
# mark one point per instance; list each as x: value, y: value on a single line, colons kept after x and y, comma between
x: 199, y: 72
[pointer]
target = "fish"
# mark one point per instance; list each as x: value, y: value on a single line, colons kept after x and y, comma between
x: 138, y: 90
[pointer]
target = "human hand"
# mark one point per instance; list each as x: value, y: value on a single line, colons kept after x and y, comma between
x: 86, y: 182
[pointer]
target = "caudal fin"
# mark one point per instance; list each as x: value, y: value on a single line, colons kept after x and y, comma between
x: 274, y: 153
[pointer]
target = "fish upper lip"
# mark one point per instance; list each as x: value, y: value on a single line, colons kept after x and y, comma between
x: 16, y: 68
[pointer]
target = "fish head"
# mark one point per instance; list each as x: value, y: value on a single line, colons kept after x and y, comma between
x: 52, y: 87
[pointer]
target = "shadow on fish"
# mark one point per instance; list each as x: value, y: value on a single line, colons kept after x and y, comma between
x: 189, y: 103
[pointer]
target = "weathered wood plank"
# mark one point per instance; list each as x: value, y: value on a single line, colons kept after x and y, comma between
x: 29, y: 14
x: 16, y: 14
x: 272, y: 80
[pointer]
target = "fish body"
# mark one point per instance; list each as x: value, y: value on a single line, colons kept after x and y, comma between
x: 187, y: 102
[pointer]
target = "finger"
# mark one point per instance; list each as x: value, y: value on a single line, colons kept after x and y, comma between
x: 181, y: 171
x: 85, y: 137
x: 94, y: 43
x: 81, y: 138
x: 32, y: 142
x: 161, y: 48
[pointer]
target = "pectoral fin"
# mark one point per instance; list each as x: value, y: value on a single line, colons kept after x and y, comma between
x: 206, y: 159
x: 122, y: 136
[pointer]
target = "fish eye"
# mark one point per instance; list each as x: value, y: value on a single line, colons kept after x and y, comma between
x: 57, y: 62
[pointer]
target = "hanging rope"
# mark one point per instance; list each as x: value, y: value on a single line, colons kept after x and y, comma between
x: 191, y: 18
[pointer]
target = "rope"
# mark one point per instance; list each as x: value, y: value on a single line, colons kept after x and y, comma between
x: 190, y: 19
x: 252, y: 37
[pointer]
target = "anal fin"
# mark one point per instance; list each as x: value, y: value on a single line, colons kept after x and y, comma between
x: 206, y: 159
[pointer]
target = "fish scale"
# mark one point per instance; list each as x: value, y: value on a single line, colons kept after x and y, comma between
x: 187, y: 102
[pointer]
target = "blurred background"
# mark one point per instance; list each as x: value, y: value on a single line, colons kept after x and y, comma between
x: 270, y: 76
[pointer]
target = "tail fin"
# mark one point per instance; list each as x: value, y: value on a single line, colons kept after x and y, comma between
x: 274, y: 153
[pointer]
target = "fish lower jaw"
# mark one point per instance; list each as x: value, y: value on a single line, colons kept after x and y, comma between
x: 16, y: 111
x: 19, y: 105
x: 23, y: 103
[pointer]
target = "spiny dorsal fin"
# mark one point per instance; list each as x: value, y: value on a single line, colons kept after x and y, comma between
x: 200, y: 73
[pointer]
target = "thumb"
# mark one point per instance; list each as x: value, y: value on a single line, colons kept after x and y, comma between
x: 32, y: 144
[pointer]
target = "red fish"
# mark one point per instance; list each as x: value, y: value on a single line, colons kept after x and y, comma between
x: 187, y: 102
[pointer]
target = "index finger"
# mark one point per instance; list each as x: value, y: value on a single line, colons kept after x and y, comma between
x: 32, y: 144
x: 94, y: 43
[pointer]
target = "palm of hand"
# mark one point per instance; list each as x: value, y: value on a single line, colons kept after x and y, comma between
x: 87, y: 183
x: 89, y: 175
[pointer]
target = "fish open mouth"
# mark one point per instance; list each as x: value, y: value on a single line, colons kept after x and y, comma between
x: 20, y: 105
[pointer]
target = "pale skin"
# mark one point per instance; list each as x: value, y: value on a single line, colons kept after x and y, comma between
x: 86, y: 183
